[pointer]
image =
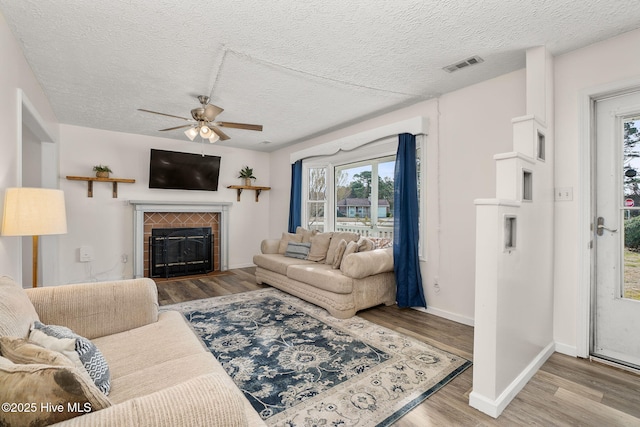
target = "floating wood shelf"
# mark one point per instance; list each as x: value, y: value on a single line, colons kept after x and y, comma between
x: 258, y: 190
x: 91, y: 179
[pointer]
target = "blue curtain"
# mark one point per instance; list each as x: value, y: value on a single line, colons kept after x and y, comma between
x: 405, y: 231
x: 295, y: 201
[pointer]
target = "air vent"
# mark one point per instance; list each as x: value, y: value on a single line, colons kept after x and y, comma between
x: 463, y: 64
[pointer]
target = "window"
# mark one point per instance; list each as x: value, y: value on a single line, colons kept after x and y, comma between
x: 364, y: 197
x: 353, y: 190
x: 316, y: 198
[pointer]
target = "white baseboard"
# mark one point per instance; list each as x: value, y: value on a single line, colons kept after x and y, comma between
x: 447, y: 315
x: 232, y: 267
x: 495, y: 407
x: 569, y: 350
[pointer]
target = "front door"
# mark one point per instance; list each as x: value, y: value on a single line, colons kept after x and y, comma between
x: 616, y: 305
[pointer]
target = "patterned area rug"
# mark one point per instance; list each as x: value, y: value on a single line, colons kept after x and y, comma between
x: 298, y: 366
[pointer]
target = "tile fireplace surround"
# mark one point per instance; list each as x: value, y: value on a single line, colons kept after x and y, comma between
x: 144, y: 210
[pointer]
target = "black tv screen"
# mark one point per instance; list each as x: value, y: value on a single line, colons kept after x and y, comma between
x: 183, y: 171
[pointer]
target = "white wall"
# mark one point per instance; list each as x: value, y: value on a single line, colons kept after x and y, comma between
x: 16, y: 74
x: 466, y: 128
x: 106, y: 224
x: 612, y: 61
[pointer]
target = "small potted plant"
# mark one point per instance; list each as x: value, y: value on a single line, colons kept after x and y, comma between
x: 102, y: 171
x: 246, y: 173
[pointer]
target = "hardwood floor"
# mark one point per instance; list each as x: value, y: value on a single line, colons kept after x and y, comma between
x: 566, y: 391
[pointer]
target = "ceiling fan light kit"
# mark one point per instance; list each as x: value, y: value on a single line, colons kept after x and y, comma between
x: 203, y: 122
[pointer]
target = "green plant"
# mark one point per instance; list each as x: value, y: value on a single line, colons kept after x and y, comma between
x: 246, y: 173
x: 632, y: 233
x: 102, y: 168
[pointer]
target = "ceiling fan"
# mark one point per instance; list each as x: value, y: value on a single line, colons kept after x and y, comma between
x: 203, y: 123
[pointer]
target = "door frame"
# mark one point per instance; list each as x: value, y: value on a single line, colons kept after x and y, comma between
x: 27, y: 115
x: 586, y: 189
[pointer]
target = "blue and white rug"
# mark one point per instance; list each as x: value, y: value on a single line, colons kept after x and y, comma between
x: 299, y: 366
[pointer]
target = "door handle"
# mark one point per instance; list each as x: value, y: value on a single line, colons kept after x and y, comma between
x: 600, y: 227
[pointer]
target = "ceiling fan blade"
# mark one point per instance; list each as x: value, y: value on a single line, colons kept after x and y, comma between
x: 211, y: 112
x: 223, y: 136
x: 239, y: 126
x: 164, y: 114
x: 175, y: 127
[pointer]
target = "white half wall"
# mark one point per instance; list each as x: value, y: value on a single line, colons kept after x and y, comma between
x: 106, y: 224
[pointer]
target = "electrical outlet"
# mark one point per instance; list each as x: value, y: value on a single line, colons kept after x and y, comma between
x: 125, y: 258
x: 563, y: 194
x: 86, y: 253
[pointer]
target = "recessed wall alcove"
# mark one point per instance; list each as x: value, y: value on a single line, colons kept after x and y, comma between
x: 149, y: 214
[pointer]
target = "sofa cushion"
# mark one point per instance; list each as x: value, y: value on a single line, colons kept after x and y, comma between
x: 363, y: 264
x: 321, y: 276
x: 352, y: 248
x: 381, y: 242
x: 153, y: 357
x: 286, y: 238
x: 36, y: 385
x: 365, y: 244
x: 297, y: 250
x: 306, y: 234
x: 319, y: 246
x: 342, y: 245
x: 16, y: 311
x: 19, y: 350
x: 277, y: 263
x: 63, y: 339
x: 335, y: 241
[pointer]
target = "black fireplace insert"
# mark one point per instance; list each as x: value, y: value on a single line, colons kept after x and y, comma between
x: 180, y: 251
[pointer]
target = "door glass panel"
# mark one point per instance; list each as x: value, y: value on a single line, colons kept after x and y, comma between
x: 631, y: 208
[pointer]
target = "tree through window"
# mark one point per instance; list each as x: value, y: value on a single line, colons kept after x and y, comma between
x: 364, y: 197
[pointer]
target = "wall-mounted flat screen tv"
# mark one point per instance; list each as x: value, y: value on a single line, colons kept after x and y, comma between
x: 183, y: 171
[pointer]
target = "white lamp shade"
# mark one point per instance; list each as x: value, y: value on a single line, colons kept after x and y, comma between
x: 214, y: 137
x: 191, y: 133
x: 33, y: 212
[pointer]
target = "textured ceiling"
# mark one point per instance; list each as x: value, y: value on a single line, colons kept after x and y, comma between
x: 300, y: 68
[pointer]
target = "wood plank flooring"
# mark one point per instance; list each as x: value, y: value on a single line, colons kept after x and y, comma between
x: 566, y: 391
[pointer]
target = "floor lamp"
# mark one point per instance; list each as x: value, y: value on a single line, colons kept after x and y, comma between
x: 33, y: 212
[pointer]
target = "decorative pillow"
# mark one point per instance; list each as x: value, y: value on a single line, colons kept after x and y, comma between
x: 365, y: 244
x: 286, y: 238
x: 64, y: 340
x: 335, y: 240
x: 319, y: 246
x: 298, y: 250
x: 306, y: 234
x: 48, y: 394
x: 19, y: 350
x: 381, y: 242
x: 16, y: 311
x: 337, y: 259
x: 352, y: 248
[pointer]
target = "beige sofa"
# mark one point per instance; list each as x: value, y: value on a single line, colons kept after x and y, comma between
x: 161, y: 375
x: 359, y: 280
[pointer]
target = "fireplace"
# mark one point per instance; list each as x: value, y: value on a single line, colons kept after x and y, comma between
x: 180, y: 251
x: 149, y: 215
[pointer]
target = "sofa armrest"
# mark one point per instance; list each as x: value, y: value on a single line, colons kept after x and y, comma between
x: 204, y: 401
x: 100, y: 308
x: 363, y: 264
x: 270, y: 246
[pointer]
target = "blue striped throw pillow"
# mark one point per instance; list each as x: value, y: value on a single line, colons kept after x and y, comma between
x: 297, y: 250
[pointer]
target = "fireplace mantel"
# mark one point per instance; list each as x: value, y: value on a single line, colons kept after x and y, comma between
x: 141, y: 207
